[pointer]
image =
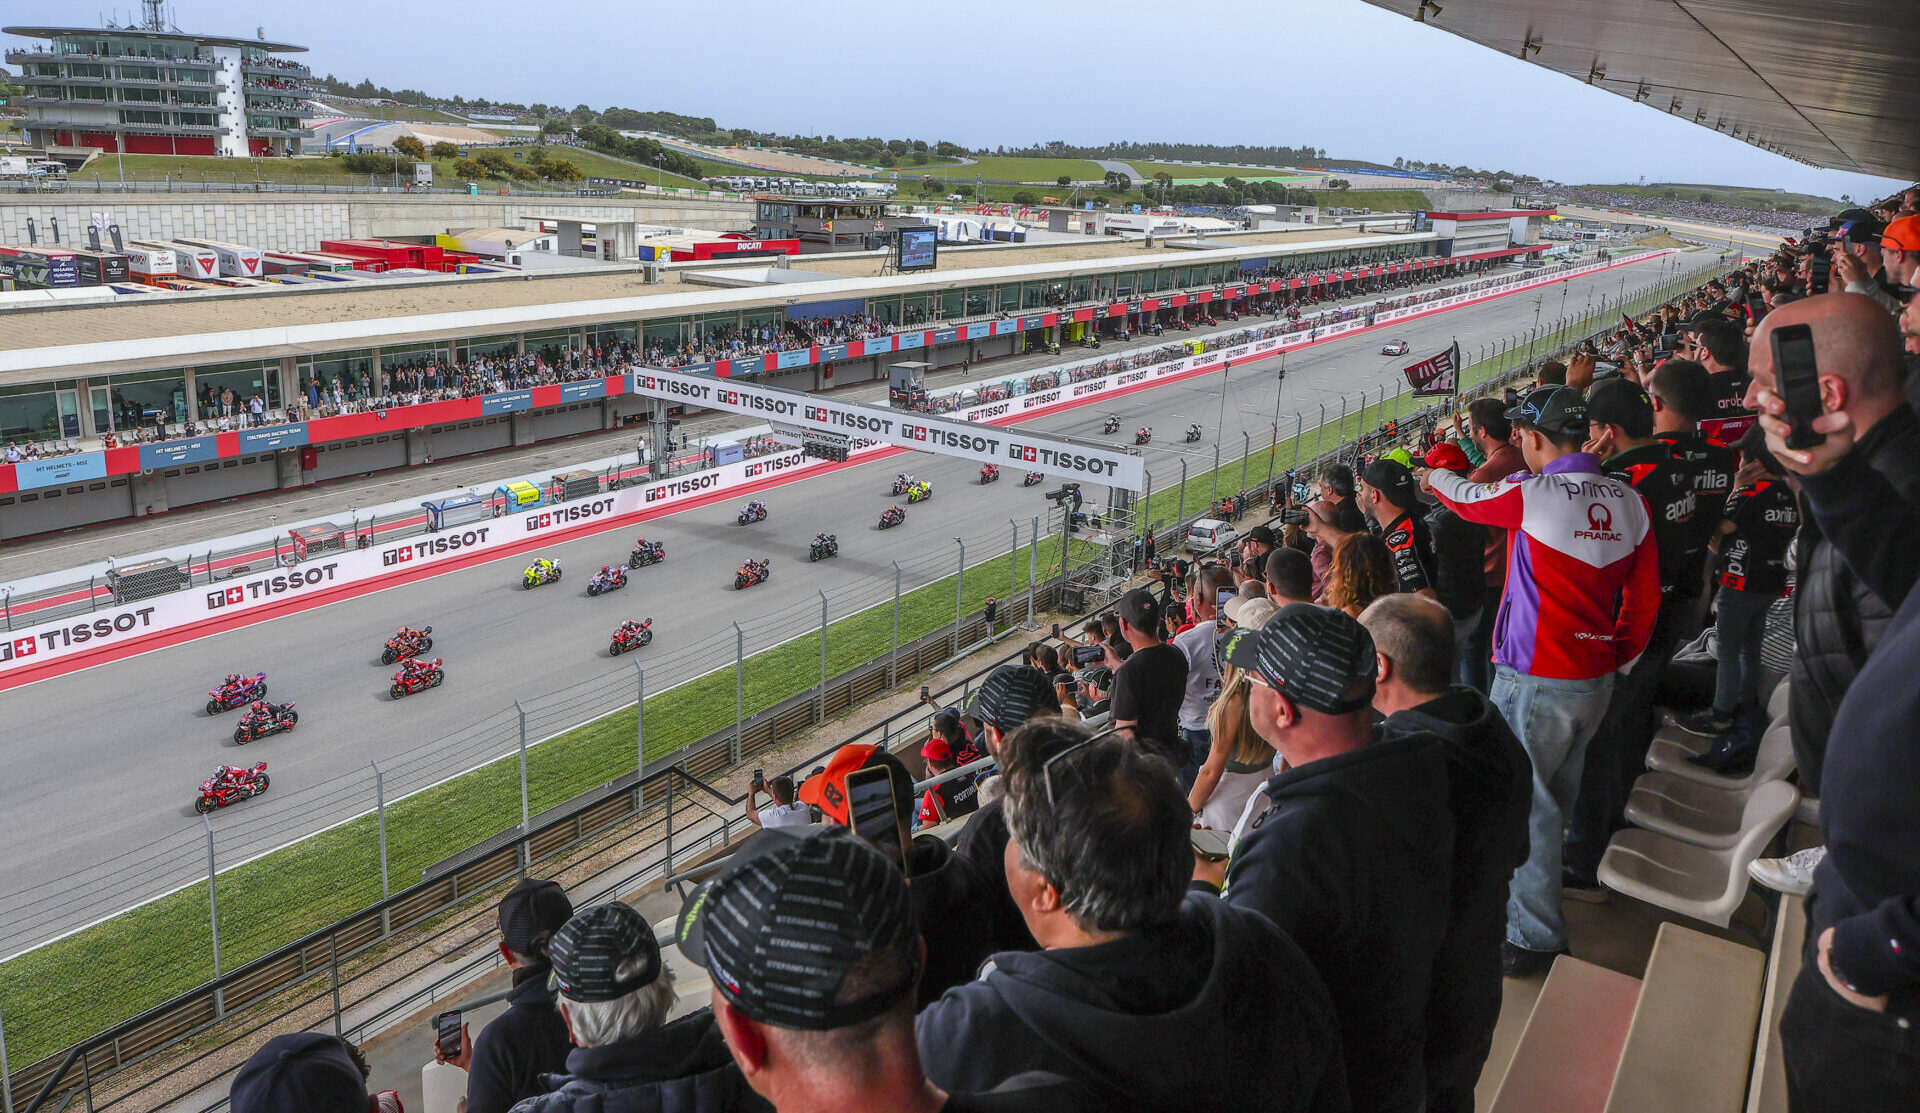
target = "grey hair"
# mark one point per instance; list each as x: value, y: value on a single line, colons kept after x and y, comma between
x: 595, y: 1023
x: 1113, y: 839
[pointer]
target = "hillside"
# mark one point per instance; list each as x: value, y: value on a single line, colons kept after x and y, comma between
x: 1746, y: 197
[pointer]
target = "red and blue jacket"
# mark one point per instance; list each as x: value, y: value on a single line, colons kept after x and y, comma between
x: 1583, y: 571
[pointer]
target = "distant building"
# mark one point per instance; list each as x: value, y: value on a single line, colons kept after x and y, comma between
x: 142, y: 90
x: 819, y: 224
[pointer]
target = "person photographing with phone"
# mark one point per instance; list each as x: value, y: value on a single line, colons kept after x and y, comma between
x: 1834, y: 410
x: 505, y: 1064
x: 782, y: 809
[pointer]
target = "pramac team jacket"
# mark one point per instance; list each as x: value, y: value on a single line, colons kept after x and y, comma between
x: 1583, y: 574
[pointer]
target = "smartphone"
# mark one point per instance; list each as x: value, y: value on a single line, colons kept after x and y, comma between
x: 1223, y: 596
x: 1088, y: 654
x: 1056, y: 629
x: 925, y: 691
x: 1756, y: 307
x: 1208, y: 843
x: 1819, y: 274
x: 760, y: 780
x: 1798, y: 376
x: 447, y: 1029
x: 870, y: 803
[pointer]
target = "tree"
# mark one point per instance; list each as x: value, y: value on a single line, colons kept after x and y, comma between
x: 1063, y: 181
x: 468, y: 169
x: 556, y: 126
x: 411, y: 147
x: 1118, y: 182
x: 444, y: 149
x: 919, y: 157
x: 886, y: 159
x: 948, y: 150
x: 1399, y: 164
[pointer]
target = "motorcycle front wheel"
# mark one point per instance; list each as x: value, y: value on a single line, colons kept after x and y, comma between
x: 614, y: 649
x: 204, y: 805
x: 260, y: 785
x: 241, y: 736
x: 213, y: 707
x: 396, y: 691
x: 388, y: 657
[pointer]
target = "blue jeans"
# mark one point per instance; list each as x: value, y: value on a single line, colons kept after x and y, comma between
x: 1741, y: 624
x: 1554, y: 719
x: 1199, y: 744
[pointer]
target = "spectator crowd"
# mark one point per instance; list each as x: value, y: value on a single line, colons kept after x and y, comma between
x: 1272, y: 832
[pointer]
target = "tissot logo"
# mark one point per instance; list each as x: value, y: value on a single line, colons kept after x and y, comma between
x: 18, y: 647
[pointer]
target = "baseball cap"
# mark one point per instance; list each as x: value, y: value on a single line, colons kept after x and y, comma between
x: 588, y: 950
x: 780, y: 928
x: 1009, y: 696
x: 1249, y: 612
x: 1392, y: 479
x: 937, y: 749
x: 1448, y: 457
x: 1312, y: 655
x: 1399, y: 456
x: 1264, y: 535
x: 1864, y: 229
x: 1139, y: 609
x: 307, y: 1071
x: 1099, y: 676
x: 531, y: 909
x: 1902, y: 234
x: 1619, y: 402
x: 827, y: 790
x: 1552, y: 409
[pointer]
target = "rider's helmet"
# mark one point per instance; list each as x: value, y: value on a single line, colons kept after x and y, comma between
x: 259, y: 705
x: 604, y: 570
x: 233, y: 678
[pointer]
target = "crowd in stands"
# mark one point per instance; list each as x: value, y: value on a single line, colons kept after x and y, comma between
x: 1711, y: 212
x: 1271, y: 833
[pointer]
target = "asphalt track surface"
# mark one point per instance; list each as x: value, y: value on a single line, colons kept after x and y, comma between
x: 104, y: 763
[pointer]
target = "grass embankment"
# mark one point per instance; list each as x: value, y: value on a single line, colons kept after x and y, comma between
x: 1748, y: 197
x: 92, y: 980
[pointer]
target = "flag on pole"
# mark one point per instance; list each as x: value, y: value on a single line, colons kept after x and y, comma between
x: 1436, y: 375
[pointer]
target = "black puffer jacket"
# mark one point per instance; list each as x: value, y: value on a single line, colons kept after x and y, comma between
x: 1836, y: 620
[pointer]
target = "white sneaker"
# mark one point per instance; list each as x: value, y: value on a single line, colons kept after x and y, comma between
x: 1792, y: 875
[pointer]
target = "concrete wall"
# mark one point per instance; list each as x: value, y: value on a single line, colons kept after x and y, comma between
x: 298, y: 222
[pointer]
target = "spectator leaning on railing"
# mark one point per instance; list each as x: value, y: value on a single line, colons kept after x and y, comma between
x: 1145, y: 997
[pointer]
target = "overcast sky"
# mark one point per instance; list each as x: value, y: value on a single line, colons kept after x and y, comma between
x: 1337, y: 74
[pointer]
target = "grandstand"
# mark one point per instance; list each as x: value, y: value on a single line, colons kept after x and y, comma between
x: 1690, y: 971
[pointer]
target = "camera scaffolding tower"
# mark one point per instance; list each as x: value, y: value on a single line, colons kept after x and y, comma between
x: 1099, y: 547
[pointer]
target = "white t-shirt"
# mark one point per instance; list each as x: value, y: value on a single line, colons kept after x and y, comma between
x: 1203, y: 675
x: 795, y: 814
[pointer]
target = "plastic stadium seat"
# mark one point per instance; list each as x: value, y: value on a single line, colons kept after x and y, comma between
x: 1773, y: 763
x: 1704, y: 883
x: 1690, y: 811
x: 1777, y: 702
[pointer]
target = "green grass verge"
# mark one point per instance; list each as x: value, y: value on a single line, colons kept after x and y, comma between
x: 1751, y: 197
x: 1379, y: 200
x: 190, y: 170
x: 90, y: 981
x: 1008, y: 169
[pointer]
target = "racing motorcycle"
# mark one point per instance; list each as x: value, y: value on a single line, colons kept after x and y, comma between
x: 265, y: 719
x: 233, y: 693
x: 1182, y: 324
x: 417, y: 676
x: 1112, y: 424
x: 607, y: 579
x: 1091, y: 340
x: 647, y: 552
x: 1143, y: 435
x: 1193, y: 432
x: 630, y: 635
x: 755, y: 511
x: 920, y: 492
x: 542, y: 572
x: 751, y: 573
x: 1033, y: 479
x: 400, y: 648
x: 231, y: 784
x: 902, y: 483
x: 891, y: 517
x: 824, y: 546
x: 989, y: 473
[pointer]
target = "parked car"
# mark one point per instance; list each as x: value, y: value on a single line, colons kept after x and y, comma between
x: 1209, y: 534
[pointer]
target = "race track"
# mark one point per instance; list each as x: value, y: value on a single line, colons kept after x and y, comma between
x: 128, y: 742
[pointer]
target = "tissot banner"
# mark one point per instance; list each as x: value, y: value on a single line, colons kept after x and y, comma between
x: 1438, y: 374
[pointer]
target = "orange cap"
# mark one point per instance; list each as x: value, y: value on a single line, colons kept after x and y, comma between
x: 827, y: 790
x: 1902, y: 234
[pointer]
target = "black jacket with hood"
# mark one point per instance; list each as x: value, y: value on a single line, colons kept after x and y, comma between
x: 1490, y: 797
x: 683, y: 1067
x: 1353, y: 860
x: 519, y: 1046
x: 1215, y: 1012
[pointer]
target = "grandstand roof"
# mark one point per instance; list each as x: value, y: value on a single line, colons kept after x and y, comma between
x: 144, y: 33
x: 1826, y: 82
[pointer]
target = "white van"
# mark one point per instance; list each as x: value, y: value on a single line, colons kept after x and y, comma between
x: 1209, y: 534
